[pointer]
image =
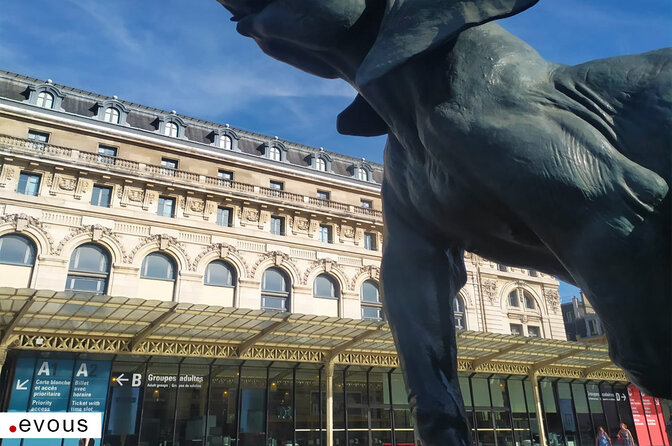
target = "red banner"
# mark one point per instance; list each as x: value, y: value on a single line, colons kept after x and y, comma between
x: 652, y: 420
x: 638, y: 417
x: 661, y: 422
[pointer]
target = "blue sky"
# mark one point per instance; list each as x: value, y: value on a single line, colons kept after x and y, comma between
x: 186, y: 56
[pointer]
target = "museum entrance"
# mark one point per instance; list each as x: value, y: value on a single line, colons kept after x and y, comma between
x: 492, y: 427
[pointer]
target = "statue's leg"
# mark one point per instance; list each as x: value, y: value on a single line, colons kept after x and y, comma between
x: 419, y: 281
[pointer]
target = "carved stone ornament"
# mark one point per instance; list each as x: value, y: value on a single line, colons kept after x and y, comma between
x: 326, y: 265
x: 278, y: 258
x: 135, y: 195
x: 489, y: 287
x: 196, y: 205
x: 250, y: 214
x: 301, y: 223
x: 67, y: 183
x: 22, y: 222
x: 553, y: 298
x: 369, y: 271
x: 348, y: 231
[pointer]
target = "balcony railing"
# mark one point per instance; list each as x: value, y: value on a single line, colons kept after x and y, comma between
x: 19, y: 145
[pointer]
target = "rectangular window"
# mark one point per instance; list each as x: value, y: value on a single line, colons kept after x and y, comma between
x: 36, y: 136
x: 278, y: 225
x: 106, y: 154
x: 501, y: 267
x: 366, y: 204
x: 533, y: 332
x: 322, y: 195
x: 277, y: 185
x: 168, y: 166
x: 372, y: 313
x: 325, y: 234
x: 533, y: 273
x: 101, y: 196
x: 225, y: 177
x: 166, y: 207
x: 516, y: 329
x: 224, y: 216
x: 370, y: 241
x: 593, y: 328
x: 29, y: 183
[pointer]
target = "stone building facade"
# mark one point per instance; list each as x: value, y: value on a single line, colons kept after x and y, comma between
x: 82, y: 169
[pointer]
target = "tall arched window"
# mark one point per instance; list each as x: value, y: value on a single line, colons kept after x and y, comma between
x: 529, y: 300
x: 321, y: 164
x: 16, y: 249
x: 225, y: 142
x: 158, y: 265
x: 525, y: 317
x: 372, y: 306
x: 89, y: 269
x: 326, y: 286
x: 458, y: 313
x: 275, y: 290
x: 274, y: 153
x: 17, y: 258
x: 220, y: 273
x: 45, y: 99
x: 111, y: 115
x: 171, y: 129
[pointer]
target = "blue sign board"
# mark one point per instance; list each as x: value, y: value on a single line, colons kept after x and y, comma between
x: 89, y: 389
x: 22, y: 384
x: 51, y: 385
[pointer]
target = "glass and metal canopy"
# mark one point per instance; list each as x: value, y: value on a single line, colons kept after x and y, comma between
x: 64, y: 321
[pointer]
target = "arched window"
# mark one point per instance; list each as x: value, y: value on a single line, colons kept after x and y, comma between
x: 529, y: 300
x: 372, y: 306
x: 458, y: 312
x: 274, y: 153
x: 220, y: 273
x: 275, y: 290
x: 112, y: 115
x: 170, y: 129
x: 362, y: 174
x: 321, y: 164
x: 89, y: 269
x: 45, y: 99
x: 326, y: 286
x: 513, y: 299
x: 16, y: 249
x: 225, y: 142
x: 158, y: 265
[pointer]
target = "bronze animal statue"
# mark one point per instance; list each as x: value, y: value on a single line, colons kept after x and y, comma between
x: 494, y: 150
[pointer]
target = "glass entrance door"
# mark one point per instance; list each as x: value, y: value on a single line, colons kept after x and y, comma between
x: 493, y: 428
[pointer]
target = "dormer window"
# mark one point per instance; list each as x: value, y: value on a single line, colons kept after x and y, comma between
x: 321, y: 164
x: 275, y: 150
x: 112, y: 111
x: 111, y: 115
x: 45, y: 96
x: 172, y: 126
x: 45, y: 100
x: 320, y: 161
x: 225, y: 142
x: 170, y: 129
x: 362, y: 171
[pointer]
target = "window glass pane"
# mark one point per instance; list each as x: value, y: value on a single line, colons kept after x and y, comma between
x: 252, y: 406
x: 219, y: 273
x: 158, y: 266
x: 100, y: 196
x: 533, y: 332
x: 192, y: 402
x: 481, y: 392
x: 280, y: 406
x: 370, y: 292
x: 307, y: 404
x: 29, y: 184
x: 223, y: 216
x: 369, y: 241
x: 38, y: 136
x: 322, y: 195
x: 171, y: 129
x: 276, y: 185
x: 277, y: 225
x: 125, y: 402
x: 107, y: 151
x: 325, y: 234
x: 86, y: 284
x: 513, y: 298
x: 45, y: 100
x: 516, y: 329
x: 112, y: 115
x: 158, y: 410
x: 529, y: 300
x: 325, y: 286
x: 355, y: 394
x: 17, y: 250
x: 166, y: 206
x: 372, y: 313
x: 274, y: 154
x: 275, y: 280
x: 366, y: 204
x: 223, y: 403
x: 90, y: 258
x: 498, y: 391
x: 225, y: 142
x: 275, y: 303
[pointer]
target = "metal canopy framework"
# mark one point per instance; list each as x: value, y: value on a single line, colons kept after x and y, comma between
x: 62, y: 321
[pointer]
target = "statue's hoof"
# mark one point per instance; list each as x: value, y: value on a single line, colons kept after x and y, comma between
x: 442, y: 427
